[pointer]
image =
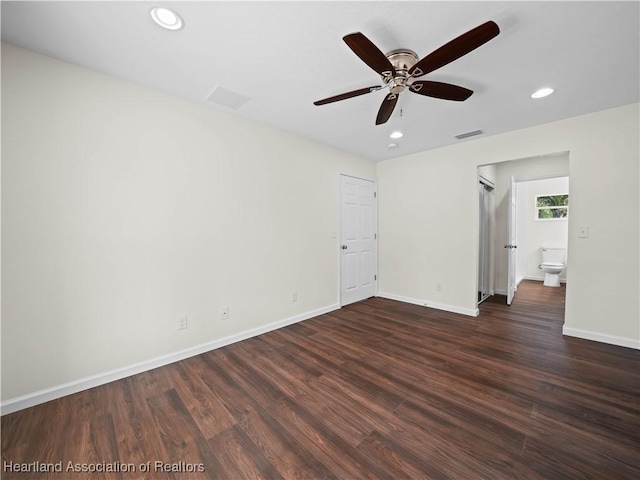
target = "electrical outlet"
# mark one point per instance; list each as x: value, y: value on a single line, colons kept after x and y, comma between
x: 438, y: 286
x: 224, y: 313
x: 294, y: 296
x: 182, y: 322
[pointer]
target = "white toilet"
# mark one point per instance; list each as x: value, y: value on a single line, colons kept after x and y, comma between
x: 552, y: 265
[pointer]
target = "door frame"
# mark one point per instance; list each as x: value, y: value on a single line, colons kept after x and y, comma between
x: 512, y: 245
x: 339, y: 230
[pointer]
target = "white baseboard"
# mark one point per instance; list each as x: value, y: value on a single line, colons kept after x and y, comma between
x: 541, y: 278
x: 58, y: 391
x: 537, y: 278
x: 601, y: 337
x: 427, y: 303
x: 500, y: 291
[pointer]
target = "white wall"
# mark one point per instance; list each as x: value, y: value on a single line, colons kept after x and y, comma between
x: 429, y: 227
x: 533, y: 234
x: 123, y: 208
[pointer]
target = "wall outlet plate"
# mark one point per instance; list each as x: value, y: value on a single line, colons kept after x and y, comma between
x: 182, y: 322
x: 224, y: 313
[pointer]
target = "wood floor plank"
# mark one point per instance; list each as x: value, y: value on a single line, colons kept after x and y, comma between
x: 134, y: 424
x: 398, y: 461
x: 287, y: 455
x: 103, y: 445
x: 239, y: 458
x: 314, y: 351
x: 253, y: 384
x: 181, y: 439
x: 291, y: 380
x: 582, y: 441
x: 377, y: 389
x: 557, y: 461
x: 454, y: 399
x: 349, y: 413
x: 224, y: 384
x: 342, y: 459
x: 455, y: 446
x: 207, y: 410
x: 76, y: 451
x: 568, y: 427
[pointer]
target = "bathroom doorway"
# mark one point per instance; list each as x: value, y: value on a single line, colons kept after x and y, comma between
x: 528, y: 251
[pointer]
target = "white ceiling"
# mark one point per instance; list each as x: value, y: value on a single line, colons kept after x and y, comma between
x: 285, y: 55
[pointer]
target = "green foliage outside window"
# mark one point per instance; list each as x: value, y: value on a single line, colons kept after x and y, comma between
x: 552, y: 206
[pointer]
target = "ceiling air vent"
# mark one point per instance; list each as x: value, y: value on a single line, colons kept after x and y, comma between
x: 227, y: 98
x: 469, y: 134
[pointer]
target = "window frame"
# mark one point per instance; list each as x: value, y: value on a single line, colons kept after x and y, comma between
x: 551, y: 219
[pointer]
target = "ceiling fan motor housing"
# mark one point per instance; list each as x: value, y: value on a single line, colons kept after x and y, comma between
x: 402, y: 60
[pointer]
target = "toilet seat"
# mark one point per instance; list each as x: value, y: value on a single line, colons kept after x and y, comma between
x: 552, y: 264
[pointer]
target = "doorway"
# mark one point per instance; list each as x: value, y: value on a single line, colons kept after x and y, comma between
x: 499, y: 174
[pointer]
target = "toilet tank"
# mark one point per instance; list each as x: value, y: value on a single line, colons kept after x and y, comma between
x: 556, y: 255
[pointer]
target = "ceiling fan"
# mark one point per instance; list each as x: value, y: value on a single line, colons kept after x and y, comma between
x: 400, y: 68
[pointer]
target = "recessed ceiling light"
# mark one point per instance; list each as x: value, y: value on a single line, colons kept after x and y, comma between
x: 543, y: 92
x: 392, y: 145
x: 396, y: 134
x: 166, y: 18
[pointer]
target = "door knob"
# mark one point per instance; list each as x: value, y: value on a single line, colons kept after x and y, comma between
x: 344, y: 247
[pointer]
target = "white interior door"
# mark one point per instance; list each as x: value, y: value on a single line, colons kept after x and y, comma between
x: 511, y: 243
x: 358, y: 237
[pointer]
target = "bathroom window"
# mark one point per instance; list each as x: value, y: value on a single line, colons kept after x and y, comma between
x: 552, y: 207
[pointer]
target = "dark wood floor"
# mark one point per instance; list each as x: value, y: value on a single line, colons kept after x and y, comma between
x: 378, y: 389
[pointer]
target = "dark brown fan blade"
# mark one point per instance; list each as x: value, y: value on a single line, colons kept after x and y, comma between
x: 455, y: 49
x: 344, y: 96
x: 369, y: 53
x: 386, y: 109
x: 445, y: 91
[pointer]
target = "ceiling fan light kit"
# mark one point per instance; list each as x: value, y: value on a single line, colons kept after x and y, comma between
x: 399, y: 68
